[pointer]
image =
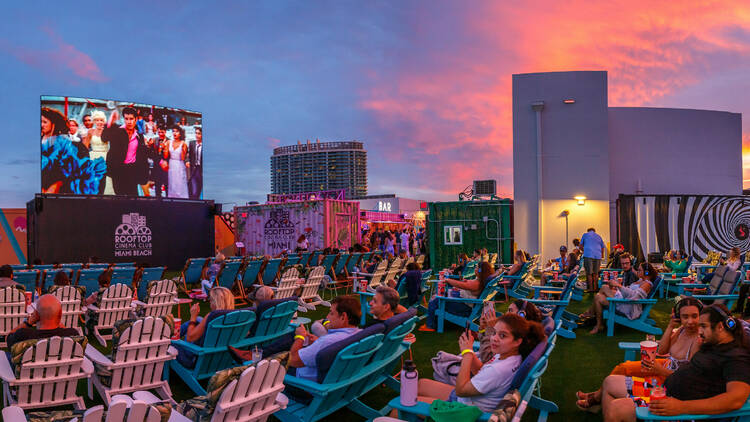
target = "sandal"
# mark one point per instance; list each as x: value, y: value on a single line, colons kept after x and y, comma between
x: 587, y: 403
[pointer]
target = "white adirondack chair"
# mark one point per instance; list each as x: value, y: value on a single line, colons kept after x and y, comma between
x: 115, y: 305
x: 139, y: 361
x: 49, y: 375
x: 70, y: 299
x: 15, y: 414
x: 394, y: 270
x: 254, y: 396
x: 160, y: 300
x: 310, y: 296
x: 420, y: 260
x: 376, y: 278
x: 288, y: 283
x: 12, y: 310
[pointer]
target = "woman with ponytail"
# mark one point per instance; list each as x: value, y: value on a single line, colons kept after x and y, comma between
x: 484, y: 384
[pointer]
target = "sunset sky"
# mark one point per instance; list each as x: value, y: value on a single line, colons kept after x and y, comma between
x: 425, y: 84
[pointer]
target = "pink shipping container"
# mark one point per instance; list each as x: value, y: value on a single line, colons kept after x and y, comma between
x: 270, y: 228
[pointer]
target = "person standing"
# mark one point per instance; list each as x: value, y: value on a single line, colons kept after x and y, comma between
x: 405, y: 241
x: 97, y: 147
x: 195, y: 162
x: 87, y: 125
x: 593, y: 251
x: 177, y: 170
x: 126, y: 158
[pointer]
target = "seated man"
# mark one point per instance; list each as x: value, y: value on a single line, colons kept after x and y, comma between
x: 263, y: 294
x: 44, y: 322
x: 715, y: 380
x: 384, y: 305
x: 6, y: 277
x: 628, y: 275
x: 344, y: 316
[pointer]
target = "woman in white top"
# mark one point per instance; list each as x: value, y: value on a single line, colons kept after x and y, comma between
x: 733, y: 261
x: 177, y: 173
x: 302, y: 243
x: 98, y: 147
x: 484, y: 384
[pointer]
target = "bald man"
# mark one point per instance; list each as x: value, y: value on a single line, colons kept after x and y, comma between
x: 44, y: 322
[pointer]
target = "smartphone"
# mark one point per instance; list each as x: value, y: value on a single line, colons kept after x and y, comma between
x: 466, y: 328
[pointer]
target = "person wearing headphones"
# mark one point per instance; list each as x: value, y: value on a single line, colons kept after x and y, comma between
x: 678, y: 344
x: 715, y: 380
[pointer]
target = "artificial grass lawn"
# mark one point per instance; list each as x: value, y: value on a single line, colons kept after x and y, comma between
x: 578, y: 364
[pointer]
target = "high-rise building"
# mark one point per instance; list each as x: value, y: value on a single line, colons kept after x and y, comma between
x: 319, y: 166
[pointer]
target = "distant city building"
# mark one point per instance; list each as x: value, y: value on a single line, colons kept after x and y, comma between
x: 320, y: 166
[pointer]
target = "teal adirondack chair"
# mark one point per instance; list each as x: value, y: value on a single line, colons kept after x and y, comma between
x: 643, y: 322
x: 351, y: 265
x: 213, y: 356
x: 557, y: 308
x: 250, y: 273
x: 228, y: 274
x: 148, y: 275
x: 98, y: 266
x: 49, y: 277
x: 72, y: 266
x: 125, y: 264
x: 89, y: 279
x: 271, y: 272
x: 468, y: 272
x: 489, y: 292
x: 341, y: 385
x: 192, y: 271
x: 18, y: 267
x: 340, y: 268
x: 29, y: 279
x: 328, y: 262
x: 123, y: 275
x: 313, y: 261
x: 390, y: 351
x: 304, y: 259
x: 273, y: 322
x: 718, y: 291
x: 291, y: 260
x: 44, y: 267
x: 526, y: 381
x: 514, y: 286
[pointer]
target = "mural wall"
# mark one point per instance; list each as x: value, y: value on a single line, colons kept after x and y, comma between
x: 271, y: 228
x: 695, y: 223
x: 13, y: 236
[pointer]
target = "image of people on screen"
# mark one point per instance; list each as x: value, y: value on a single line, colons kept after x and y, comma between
x: 100, y: 147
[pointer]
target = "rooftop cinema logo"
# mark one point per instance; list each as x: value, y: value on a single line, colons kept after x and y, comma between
x: 133, y: 237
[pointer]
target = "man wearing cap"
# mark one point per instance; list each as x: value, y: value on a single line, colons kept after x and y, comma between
x: 558, y: 264
x: 614, y: 257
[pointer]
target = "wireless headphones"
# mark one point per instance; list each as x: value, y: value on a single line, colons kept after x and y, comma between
x: 686, y: 301
x: 522, y: 311
x: 728, y: 320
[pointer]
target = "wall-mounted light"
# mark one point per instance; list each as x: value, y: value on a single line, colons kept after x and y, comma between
x: 581, y: 199
x: 569, y: 101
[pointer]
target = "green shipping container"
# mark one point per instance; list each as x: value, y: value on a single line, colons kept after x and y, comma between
x: 464, y: 226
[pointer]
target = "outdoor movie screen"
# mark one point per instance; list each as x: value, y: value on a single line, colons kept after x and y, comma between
x: 106, y: 147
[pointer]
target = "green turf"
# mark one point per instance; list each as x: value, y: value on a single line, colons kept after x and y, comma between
x: 576, y: 364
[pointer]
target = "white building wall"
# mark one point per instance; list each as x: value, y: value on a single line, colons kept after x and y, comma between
x: 575, y: 157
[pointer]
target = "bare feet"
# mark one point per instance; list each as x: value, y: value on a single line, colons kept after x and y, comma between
x: 596, y: 329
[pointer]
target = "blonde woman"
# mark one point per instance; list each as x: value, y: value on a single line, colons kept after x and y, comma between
x: 221, y: 301
x: 98, y: 147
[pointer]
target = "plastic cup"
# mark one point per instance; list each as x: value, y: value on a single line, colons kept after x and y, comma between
x: 176, y: 332
x: 648, y: 350
x: 674, y: 276
x: 29, y: 296
x: 441, y: 288
x: 257, y: 354
x: 555, y: 275
x: 658, y: 392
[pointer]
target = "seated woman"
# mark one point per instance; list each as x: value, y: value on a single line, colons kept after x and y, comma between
x: 61, y: 279
x: 519, y: 258
x: 484, y: 384
x: 221, y: 302
x: 91, y: 317
x: 413, y: 281
x: 679, y: 343
x: 638, y: 290
x: 732, y: 262
x: 487, y: 323
x: 469, y: 289
x: 457, y: 269
x: 677, y: 262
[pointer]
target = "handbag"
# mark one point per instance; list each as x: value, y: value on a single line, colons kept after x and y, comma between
x: 445, y: 367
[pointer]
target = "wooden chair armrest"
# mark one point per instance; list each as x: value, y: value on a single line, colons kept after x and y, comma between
x: 6, y: 372
x: 95, y: 355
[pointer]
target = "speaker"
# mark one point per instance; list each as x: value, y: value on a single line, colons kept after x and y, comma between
x: 216, y: 209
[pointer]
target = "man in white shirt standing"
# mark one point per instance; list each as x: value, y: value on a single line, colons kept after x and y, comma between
x: 405, y: 241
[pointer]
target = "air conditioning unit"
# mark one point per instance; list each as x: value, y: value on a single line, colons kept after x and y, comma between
x: 485, y: 187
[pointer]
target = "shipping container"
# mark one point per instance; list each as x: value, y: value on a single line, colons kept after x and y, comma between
x: 13, y: 236
x: 464, y: 226
x: 269, y: 229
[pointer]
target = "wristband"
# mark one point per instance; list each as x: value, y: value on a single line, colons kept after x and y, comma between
x: 465, y: 351
x: 299, y: 337
x: 481, y: 331
x: 326, y: 323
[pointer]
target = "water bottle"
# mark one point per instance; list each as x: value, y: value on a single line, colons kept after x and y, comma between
x: 409, y: 381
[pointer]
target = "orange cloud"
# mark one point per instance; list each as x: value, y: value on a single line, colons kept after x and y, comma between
x: 450, y: 101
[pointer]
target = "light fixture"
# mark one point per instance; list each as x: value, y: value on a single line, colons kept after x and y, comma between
x: 581, y: 199
x: 569, y: 101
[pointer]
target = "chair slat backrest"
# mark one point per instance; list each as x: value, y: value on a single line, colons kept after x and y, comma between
x: 287, y: 283
x: 275, y: 318
x: 115, y: 304
x: 124, y: 264
x: 44, y: 267
x: 123, y: 275
x: 654, y: 288
x: 252, y: 397
x: 353, y: 262
x: 70, y: 299
x: 222, y: 331
x: 193, y: 269
x: 27, y: 278
x: 49, y: 277
x: 292, y: 259
x: 313, y: 261
x: 341, y: 263
x: 304, y: 259
x: 327, y: 263
x: 152, y: 274
x: 72, y: 266
x: 393, y: 270
x: 12, y: 310
x: 271, y: 272
x: 250, y: 274
x: 228, y: 274
x: 89, y: 279
x: 141, y: 354
x: 379, y: 274
x: 49, y: 373
x: 312, y: 284
x: 98, y: 266
x: 160, y: 299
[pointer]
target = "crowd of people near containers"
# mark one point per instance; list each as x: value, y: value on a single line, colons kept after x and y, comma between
x: 701, y: 364
x: 127, y: 153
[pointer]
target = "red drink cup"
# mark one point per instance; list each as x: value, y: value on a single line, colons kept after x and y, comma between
x: 176, y: 333
x: 747, y: 275
x: 674, y: 276
x: 658, y: 392
x: 363, y: 285
x: 29, y: 296
x: 555, y: 275
x: 605, y: 275
x: 648, y: 351
x: 441, y: 288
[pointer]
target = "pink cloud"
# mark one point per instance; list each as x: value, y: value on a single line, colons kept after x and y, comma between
x: 273, y: 142
x: 60, y: 56
x: 452, y: 105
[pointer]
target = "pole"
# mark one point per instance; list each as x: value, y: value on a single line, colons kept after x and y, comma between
x: 538, y: 106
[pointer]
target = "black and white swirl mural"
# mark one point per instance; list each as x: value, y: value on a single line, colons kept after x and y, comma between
x: 694, y: 223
